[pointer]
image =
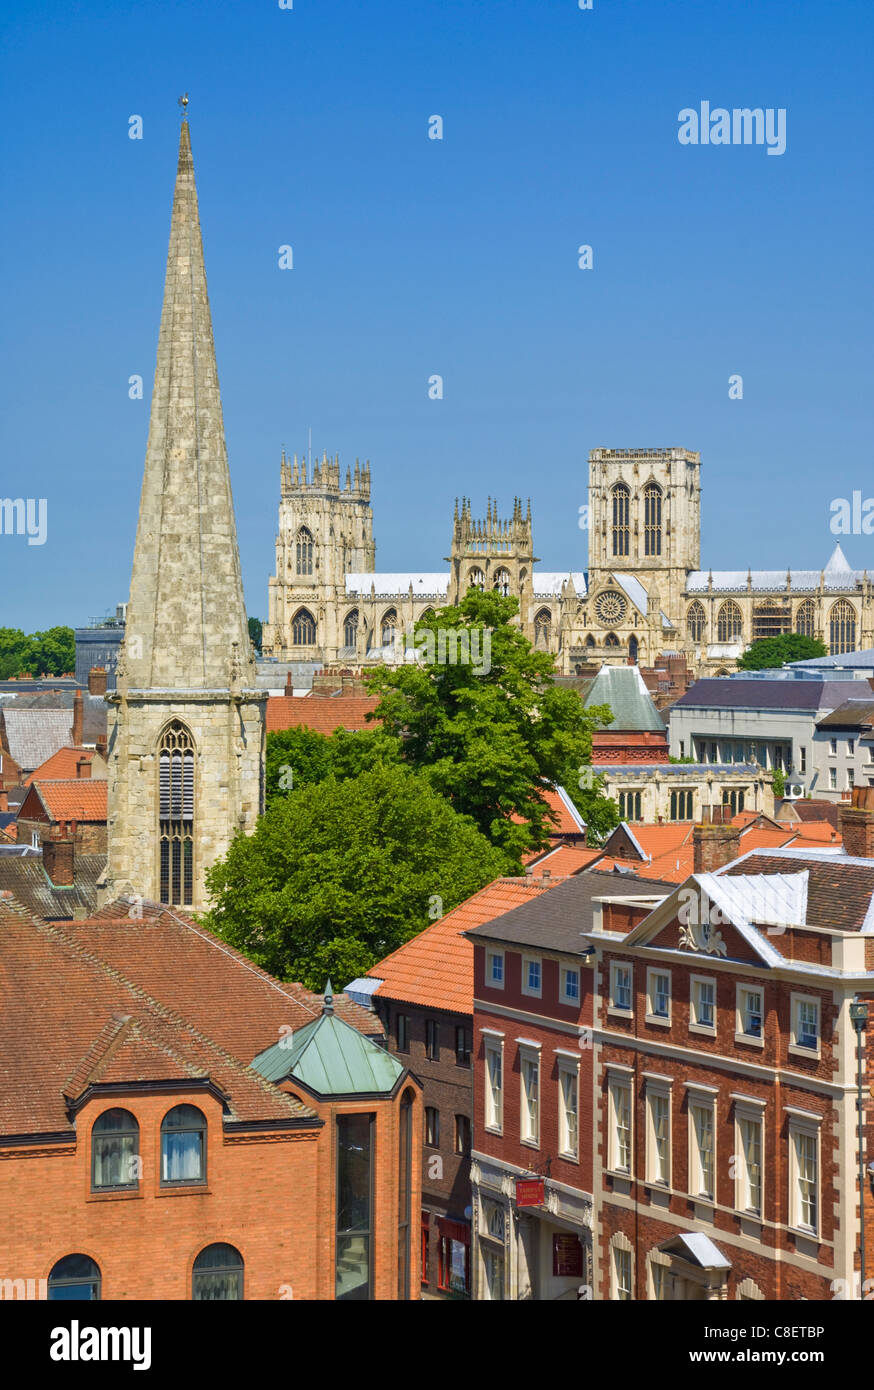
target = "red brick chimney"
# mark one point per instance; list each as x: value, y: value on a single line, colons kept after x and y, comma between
x: 83, y: 767
x: 100, y: 743
x: 58, y: 857
x: 289, y: 683
x: 97, y: 680
x: 856, y: 824
x: 714, y: 844
x: 78, y: 718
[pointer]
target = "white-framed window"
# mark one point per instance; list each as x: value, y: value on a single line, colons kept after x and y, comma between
x: 804, y: 1200
x: 702, y: 1145
x: 851, y: 747
x: 619, y: 1104
x: 620, y: 987
x: 802, y: 759
x: 658, y: 995
x: 621, y: 1286
x: 494, y: 1082
x: 833, y: 747
x: 805, y: 1032
x: 658, y: 1132
x: 532, y: 976
x: 569, y: 1108
x: 750, y: 1015
x: 702, y: 1002
x: 832, y: 779
x: 529, y: 1117
x: 495, y: 969
x: 570, y: 984
x: 748, y: 1169
x: 851, y: 779
x: 659, y: 1279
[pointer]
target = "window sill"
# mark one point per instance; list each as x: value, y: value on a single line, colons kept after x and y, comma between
x: 119, y: 1196
x: 192, y: 1189
x: 703, y: 1029
x: 749, y: 1039
x: 811, y: 1053
x: 658, y: 1019
x: 620, y: 1013
x: 531, y: 994
x: 568, y: 1157
x: 530, y: 1143
x: 494, y: 1129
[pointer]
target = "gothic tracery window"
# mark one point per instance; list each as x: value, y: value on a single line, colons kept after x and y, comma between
x: 176, y: 815
x: 389, y: 626
x: 350, y: 628
x: 652, y: 519
x: 304, y: 551
x: 805, y: 619
x: 842, y: 628
x: 696, y: 622
x: 303, y: 628
x: 476, y: 579
x: 621, y: 511
x: 542, y: 628
x: 501, y: 583
x: 729, y: 623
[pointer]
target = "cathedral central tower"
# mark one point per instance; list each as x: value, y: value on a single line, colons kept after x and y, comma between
x: 186, y: 724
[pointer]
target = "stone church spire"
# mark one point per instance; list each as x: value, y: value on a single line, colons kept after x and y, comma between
x: 186, y: 612
x: 186, y: 723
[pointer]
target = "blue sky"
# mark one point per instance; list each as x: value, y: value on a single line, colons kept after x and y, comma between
x: 458, y: 257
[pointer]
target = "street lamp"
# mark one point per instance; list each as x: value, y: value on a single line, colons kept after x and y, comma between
x: 859, y: 1020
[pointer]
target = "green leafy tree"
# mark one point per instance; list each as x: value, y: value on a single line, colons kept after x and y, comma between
x: 52, y: 653
x: 773, y: 651
x: 340, y: 872
x: 256, y: 628
x: 489, y: 732
x: 298, y: 757
x: 778, y: 782
x: 14, y: 649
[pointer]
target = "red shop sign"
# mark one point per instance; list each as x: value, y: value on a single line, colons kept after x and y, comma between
x: 529, y: 1192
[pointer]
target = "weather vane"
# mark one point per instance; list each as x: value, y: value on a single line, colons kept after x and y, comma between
x: 183, y: 102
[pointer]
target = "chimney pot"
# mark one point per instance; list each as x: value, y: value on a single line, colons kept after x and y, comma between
x: 78, y: 718
x: 713, y: 845
x: 856, y: 824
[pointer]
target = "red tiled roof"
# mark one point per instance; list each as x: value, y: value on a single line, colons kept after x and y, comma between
x: 74, y: 798
x: 324, y: 714
x: 563, y: 859
x: 435, y: 968
x: 60, y: 765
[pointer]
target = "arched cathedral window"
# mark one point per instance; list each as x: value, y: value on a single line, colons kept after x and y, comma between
x: 842, y: 628
x: 652, y: 519
x: 304, y: 551
x: 729, y: 623
x: 501, y: 583
x: 621, y: 510
x: 389, y: 626
x: 542, y: 628
x: 350, y: 628
x: 696, y: 622
x: 176, y: 814
x: 476, y: 579
x: 611, y: 640
x: 805, y: 619
x: 303, y: 628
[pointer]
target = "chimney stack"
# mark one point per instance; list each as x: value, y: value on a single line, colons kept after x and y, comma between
x: 58, y: 857
x: 856, y: 823
x: 289, y: 683
x: 100, y: 743
x: 83, y: 767
x: 714, y: 843
x: 78, y: 718
x: 97, y: 680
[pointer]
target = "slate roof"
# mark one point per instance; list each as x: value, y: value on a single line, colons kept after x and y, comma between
x: 556, y: 921
x: 863, y: 659
x: 716, y: 693
x: 623, y: 689
x: 331, y: 1059
x: 322, y: 713
x: 94, y: 709
x: 33, y: 735
x: 839, y: 889
x: 435, y: 968
x: 852, y: 714
x: 27, y: 881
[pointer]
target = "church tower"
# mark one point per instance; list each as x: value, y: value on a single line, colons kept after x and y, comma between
x: 497, y: 553
x: 645, y: 518
x: 325, y: 532
x: 186, y: 723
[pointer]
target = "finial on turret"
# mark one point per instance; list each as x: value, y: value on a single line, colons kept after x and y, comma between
x: 328, y: 1006
x: 183, y: 102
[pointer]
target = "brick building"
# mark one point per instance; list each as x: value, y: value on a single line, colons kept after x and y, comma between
x: 50, y: 807
x: 725, y: 1117
x: 203, y: 1131
x: 533, y: 1095
x: 425, y: 1000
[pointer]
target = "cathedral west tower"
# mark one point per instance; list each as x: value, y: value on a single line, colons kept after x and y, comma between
x: 186, y: 723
